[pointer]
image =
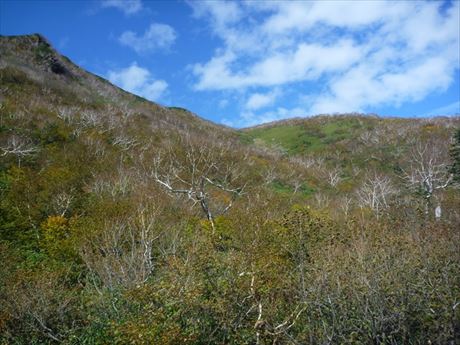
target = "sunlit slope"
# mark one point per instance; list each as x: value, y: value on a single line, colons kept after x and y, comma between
x: 314, y: 134
x: 31, y: 63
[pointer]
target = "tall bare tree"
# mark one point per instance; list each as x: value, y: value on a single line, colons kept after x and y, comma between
x: 427, y: 170
x: 206, y: 175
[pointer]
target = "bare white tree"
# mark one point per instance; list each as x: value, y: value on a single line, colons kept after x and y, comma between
x: 368, y: 138
x: 322, y: 200
x: 97, y: 146
x: 346, y: 203
x: 67, y: 114
x: 427, y: 170
x: 61, y: 202
x: 334, y: 176
x: 196, y: 171
x: 126, y: 111
x: 269, y: 175
x: 19, y: 147
x: 376, y: 192
x: 119, y: 184
x: 89, y: 118
x: 306, y: 161
x: 296, y: 180
x: 124, y: 142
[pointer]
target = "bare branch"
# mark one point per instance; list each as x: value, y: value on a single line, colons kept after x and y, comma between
x: 19, y: 147
x: 195, y: 171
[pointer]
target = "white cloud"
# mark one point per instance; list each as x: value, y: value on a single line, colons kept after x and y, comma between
x: 260, y: 100
x: 139, y: 81
x: 428, y: 28
x: 306, y: 62
x: 359, y: 54
x: 449, y: 109
x: 127, y: 6
x: 156, y: 37
x: 250, y: 118
x: 223, y: 103
x: 302, y: 15
x: 220, y: 12
x: 403, y: 66
x: 362, y: 86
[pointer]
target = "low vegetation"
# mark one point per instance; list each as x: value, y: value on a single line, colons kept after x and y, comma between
x: 123, y: 222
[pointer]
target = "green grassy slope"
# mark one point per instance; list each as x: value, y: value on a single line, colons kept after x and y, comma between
x: 310, y: 135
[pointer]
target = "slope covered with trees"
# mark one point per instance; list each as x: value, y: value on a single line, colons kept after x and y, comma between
x: 122, y: 221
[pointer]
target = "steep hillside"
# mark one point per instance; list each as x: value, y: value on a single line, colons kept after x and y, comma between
x: 125, y: 222
x: 31, y: 62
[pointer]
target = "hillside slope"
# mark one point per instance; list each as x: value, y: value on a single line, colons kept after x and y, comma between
x: 32, y: 59
x: 317, y: 134
x: 125, y: 222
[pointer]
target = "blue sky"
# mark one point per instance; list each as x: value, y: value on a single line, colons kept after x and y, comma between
x: 247, y: 62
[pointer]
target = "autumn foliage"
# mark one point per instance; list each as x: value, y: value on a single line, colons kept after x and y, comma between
x: 124, y: 222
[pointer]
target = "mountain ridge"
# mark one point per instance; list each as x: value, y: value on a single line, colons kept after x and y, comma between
x: 27, y: 52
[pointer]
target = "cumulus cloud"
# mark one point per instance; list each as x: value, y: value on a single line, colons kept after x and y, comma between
x: 261, y: 100
x: 303, y: 15
x: 139, y: 81
x: 156, y: 37
x: 362, y: 86
x: 220, y: 13
x: 306, y: 61
x: 340, y: 55
x: 127, y: 6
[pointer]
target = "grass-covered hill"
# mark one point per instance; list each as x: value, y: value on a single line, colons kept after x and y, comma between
x: 319, y: 134
x: 126, y: 222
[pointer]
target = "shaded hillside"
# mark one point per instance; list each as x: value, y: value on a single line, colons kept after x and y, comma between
x: 125, y: 222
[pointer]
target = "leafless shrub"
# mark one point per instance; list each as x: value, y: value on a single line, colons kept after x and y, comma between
x: 19, y: 146
x: 120, y: 254
x: 118, y: 185
x: 61, y: 203
x: 67, y: 114
x: 89, y: 118
x: 376, y: 192
x: 124, y: 142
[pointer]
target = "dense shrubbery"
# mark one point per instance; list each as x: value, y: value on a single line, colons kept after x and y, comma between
x: 334, y: 245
